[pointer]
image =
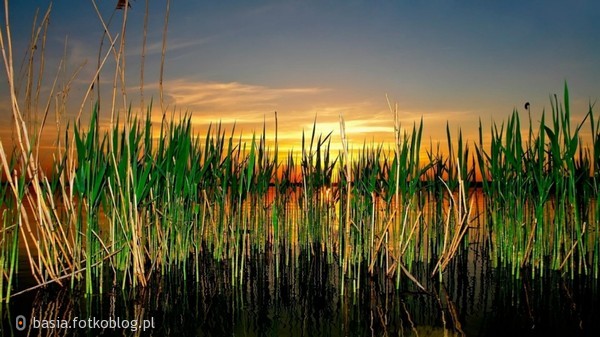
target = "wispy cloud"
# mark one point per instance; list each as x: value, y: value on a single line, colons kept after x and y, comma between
x: 172, y: 45
x: 249, y: 107
x: 231, y: 100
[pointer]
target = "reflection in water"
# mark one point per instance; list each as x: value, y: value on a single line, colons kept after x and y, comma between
x: 304, y: 297
x: 305, y: 300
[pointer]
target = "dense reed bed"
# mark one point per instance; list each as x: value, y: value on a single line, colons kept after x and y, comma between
x: 141, y: 206
x: 130, y: 199
x: 542, y: 192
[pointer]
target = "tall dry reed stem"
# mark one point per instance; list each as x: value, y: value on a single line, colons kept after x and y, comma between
x: 348, y: 168
x: 48, y: 240
x: 455, y: 227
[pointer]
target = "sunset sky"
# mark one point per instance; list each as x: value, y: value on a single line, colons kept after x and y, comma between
x: 239, y: 61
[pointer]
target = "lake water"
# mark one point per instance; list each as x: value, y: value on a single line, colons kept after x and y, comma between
x: 305, y: 298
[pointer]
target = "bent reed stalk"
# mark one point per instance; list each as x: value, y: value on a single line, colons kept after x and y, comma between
x: 122, y: 204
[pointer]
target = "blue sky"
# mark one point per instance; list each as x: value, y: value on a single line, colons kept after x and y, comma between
x: 444, y: 61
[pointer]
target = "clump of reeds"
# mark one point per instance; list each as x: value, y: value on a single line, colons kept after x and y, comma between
x: 539, y: 193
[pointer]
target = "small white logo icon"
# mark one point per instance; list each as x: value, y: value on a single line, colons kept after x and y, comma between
x: 21, y: 322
